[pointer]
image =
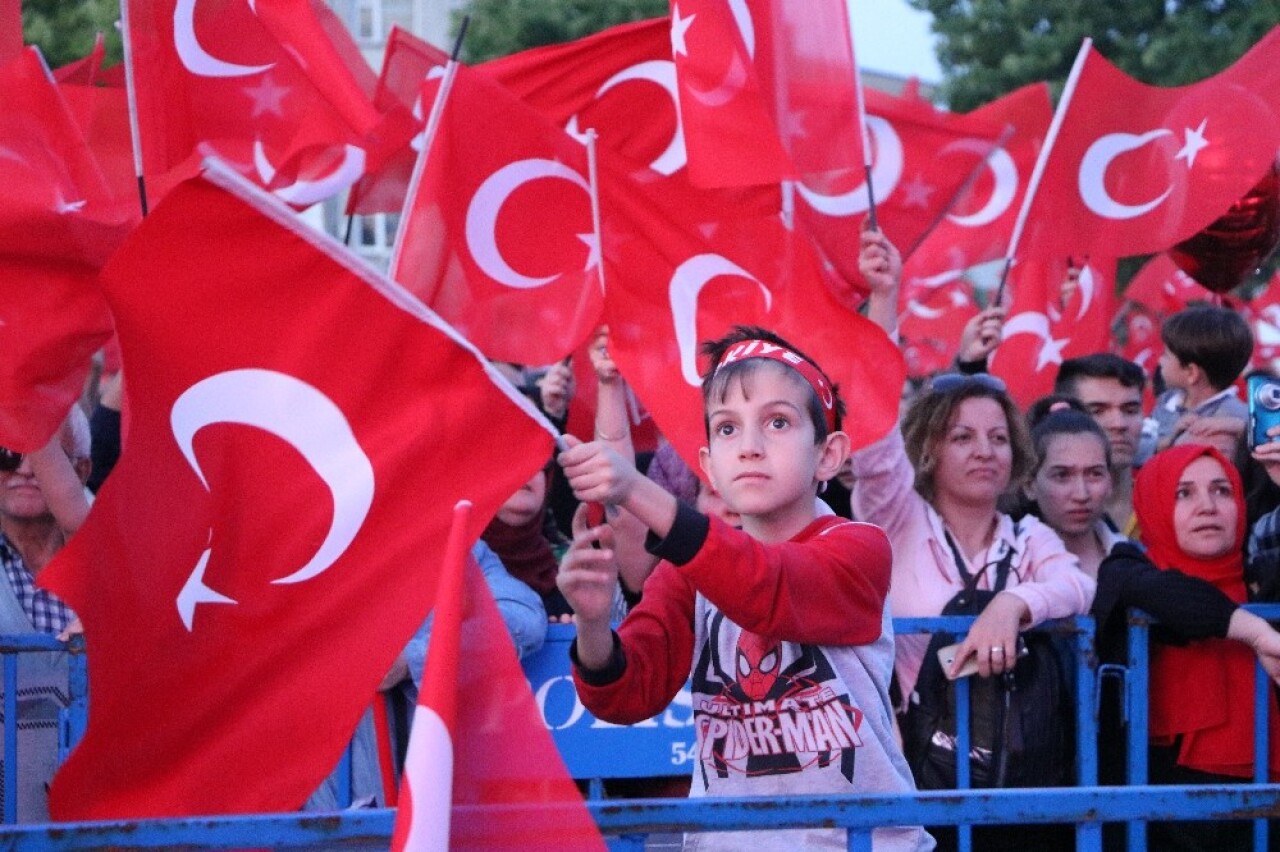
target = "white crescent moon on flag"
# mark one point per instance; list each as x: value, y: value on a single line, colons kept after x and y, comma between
x: 735, y: 77
x: 1004, y: 173
x: 686, y: 284
x: 303, y: 193
x: 1087, y: 285
x: 482, y: 216
x: 886, y: 171
x: 663, y: 72
x: 194, y: 57
x: 301, y: 416
x: 917, y: 309
x: 1027, y: 323
x: 1093, y: 173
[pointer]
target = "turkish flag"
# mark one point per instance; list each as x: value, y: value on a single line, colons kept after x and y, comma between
x: 977, y: 228
x: 673, y: 284
x: 1137, y: 168
x: 405, y: 65
x: 620, y: 82
x: 930, y: 325
x: 262, y: 550
x: 499, y: 236
x: 1053, y: 318
x: 1162, y: 288
x: 767, y: 90
x: 261, y: 86
x: 58, y: 225
x: 96, y: 97
x: 478, y: 738
x: 921, y: 157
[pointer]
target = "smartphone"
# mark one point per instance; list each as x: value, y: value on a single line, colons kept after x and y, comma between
x: 947, y: 656
x: 1264, y: 408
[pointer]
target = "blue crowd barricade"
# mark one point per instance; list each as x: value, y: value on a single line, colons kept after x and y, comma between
x: 594, y: 749
x: 72, y: 719
x: 1082, y: 630
x: 627, y: 824
x: 1137, y: 717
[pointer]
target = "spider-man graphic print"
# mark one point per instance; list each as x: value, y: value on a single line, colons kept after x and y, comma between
x: 765, y: 707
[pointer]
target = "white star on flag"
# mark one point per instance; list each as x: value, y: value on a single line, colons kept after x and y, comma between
x: 593, y: 250
x: 1193, y: 143
x: 266, y: 97
x: 679, y: 26
x: 917, y: 192
x: 1051, y: 352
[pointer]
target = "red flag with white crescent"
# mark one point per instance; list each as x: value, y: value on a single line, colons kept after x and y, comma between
x: 406, y: 62
x: 260, y: 85
x: 499, y: 237
x: 58, y: 225
x: 1136, y: 168
x: 478, y: 737
x: 1061, y: 308
x: 269, y: 491
x: 673, y: 284
x: 767, y: 90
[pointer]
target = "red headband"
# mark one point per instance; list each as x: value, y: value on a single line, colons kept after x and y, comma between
x: 763, y: 349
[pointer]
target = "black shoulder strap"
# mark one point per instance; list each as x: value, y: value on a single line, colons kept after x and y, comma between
x: 970, y: 581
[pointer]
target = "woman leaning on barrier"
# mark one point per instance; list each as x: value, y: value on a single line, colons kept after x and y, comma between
x: 933, y: 487
x: 1189, y: 503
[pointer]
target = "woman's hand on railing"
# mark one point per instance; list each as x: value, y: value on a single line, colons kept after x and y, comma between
x: 994, y: 637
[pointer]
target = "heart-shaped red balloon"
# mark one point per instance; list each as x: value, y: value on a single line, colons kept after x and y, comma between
x: 1223, y: 254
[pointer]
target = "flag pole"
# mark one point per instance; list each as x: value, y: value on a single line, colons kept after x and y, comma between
x: 428, y: 136
x: 131, y: 96
x: 961, y: 192
x: 593, y: 177
x: 1059, y: 116
x: 862, y: 123
x: 788, y: 189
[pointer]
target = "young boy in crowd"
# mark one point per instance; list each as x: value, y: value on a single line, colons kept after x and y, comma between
x: 783, y: 625
x: 1206, y: 348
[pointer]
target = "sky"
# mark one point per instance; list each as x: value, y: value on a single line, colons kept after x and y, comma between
x: 890, y: 36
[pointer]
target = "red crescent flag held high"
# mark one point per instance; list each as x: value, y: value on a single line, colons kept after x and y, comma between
x: 499, y: 234
x: 673, y: 285
x: 767, y: 89
x: 405, y: 65
x: 620, y: 82
x: 921, y: 157
x: 1057, y: 313
x: 978, y: 226
x: 1136, y: 168
x: 58, y: 225
x: 272, y: 533
x: 478, y: 738
x: 260, y: 85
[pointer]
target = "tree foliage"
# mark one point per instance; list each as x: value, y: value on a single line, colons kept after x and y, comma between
x: 500, y: 27
x: 989, y: 47
x: 65, y: 29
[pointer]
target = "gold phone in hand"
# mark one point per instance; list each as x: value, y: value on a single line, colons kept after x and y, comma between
x: 947, y: 656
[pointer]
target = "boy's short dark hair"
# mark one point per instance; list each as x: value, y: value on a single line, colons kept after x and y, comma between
x: 1217, y: 340
x: 1100, y: 365
x: 716, y: 382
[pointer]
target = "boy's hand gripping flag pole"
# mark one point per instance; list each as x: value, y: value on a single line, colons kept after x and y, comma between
x: 426, y: 795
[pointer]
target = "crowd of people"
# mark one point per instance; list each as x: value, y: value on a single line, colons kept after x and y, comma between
x: 769, y: 577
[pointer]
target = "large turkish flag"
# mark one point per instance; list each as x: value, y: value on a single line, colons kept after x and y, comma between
x: 271, y: 535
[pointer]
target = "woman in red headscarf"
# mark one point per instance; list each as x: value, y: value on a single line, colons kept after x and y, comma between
x: 1190, y: 506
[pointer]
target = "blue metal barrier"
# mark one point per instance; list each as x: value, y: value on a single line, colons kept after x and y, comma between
x: 1138, y: 717
x: 72, y: 720
x: 627, y: 823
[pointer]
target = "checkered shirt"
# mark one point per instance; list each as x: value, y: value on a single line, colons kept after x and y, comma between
x: 47, y: 612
